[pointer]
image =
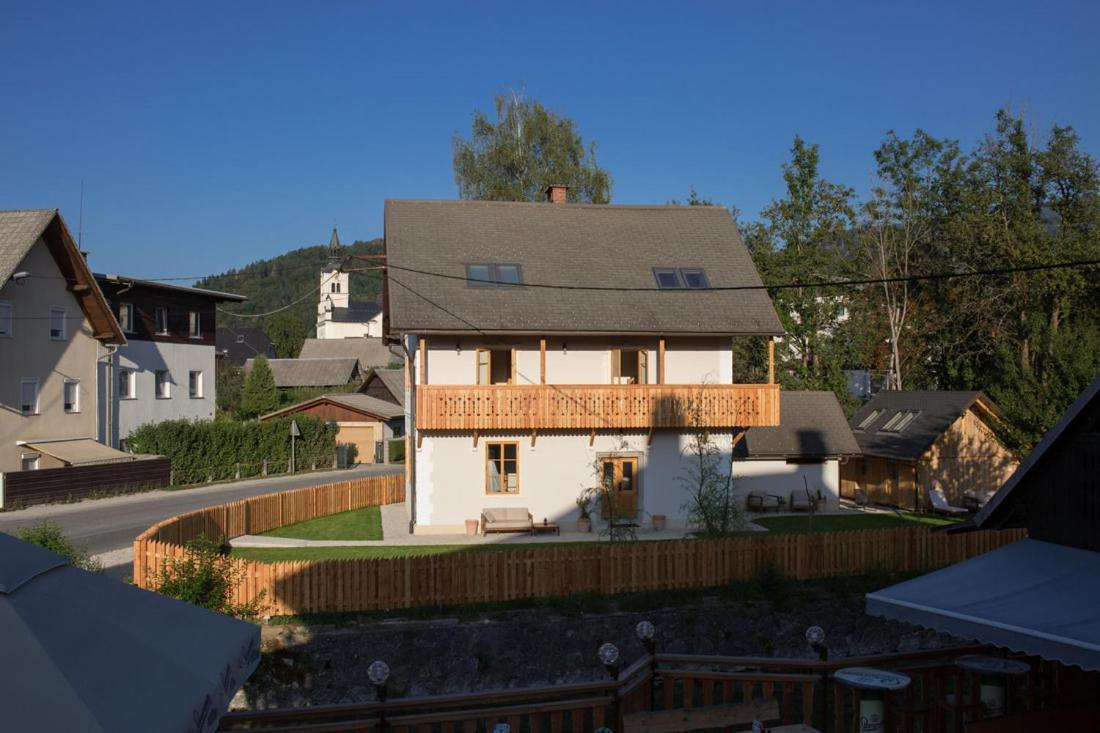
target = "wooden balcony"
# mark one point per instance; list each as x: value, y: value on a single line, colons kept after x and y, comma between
x: 595, y: 407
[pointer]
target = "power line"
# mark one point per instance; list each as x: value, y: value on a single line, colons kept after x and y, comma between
x: 772, y: 286
x: 272, y: 312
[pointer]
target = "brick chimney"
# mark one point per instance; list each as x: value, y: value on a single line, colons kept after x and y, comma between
x: 556, y: 194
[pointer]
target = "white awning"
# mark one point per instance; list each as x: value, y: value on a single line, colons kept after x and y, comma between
x: 1033, y: 597
x: 79, y: 451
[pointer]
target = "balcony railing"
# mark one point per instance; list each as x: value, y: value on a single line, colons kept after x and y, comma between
x: 594, y: 407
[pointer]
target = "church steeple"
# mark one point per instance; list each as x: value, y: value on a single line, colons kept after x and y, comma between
x: 334, y: 246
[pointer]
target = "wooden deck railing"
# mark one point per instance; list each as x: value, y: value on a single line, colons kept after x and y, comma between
x: 595, y: 406
x: 700, y: 692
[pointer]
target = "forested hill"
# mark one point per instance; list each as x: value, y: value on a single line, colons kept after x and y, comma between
x: 274, y: 283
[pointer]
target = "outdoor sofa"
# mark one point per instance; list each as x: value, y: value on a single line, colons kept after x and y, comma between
x: 506, y: 519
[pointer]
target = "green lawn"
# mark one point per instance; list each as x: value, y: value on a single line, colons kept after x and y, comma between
x: 358, y: 524
x: 280, y: 554
x: 843, y: 522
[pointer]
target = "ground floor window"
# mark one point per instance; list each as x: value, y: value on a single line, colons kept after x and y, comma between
x: 162, y: 384
x: 502, y: 468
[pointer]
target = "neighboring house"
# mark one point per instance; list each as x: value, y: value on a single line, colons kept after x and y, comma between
x: 166, y: 371
x: 362, y: 421
x: 385, y: 384
x: 237, y: 344
x: 523, y: 396
x: 369, y: 350
x: 1039, y: 595
x: 54, y: 326
x: 290, y: 373
x: 338, y: 316
x: 915, y: 441
x: 804, y: 453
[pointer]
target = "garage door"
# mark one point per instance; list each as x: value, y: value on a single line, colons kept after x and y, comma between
x: 361, y: 435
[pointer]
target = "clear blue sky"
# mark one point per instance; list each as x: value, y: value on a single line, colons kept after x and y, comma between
x: 212, y: 136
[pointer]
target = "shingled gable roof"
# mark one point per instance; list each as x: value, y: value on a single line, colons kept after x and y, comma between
x: 366, y: 405
x: 392, y: 380
x: 811, y: 425
x: 569, y: 244
x: 937, y: 410
x: 311, y: 372
x: 21, y: 229
x: 369, y: 350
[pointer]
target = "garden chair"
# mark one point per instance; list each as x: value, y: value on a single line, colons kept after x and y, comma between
x: 940, y: 505
x: 803, y: 501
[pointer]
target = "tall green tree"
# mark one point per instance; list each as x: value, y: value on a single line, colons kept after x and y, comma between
x: 260, y: 395
x: 803, y: 239
x: 523, y: 151
x: 287, y: 332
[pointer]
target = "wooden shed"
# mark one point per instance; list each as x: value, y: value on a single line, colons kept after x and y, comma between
x: 362, y: 421
x: 914, y: 441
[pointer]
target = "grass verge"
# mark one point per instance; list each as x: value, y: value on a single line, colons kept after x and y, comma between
x: 282, y: 554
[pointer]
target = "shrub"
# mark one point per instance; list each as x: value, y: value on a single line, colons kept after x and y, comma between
x: 204, y: 450
x: 206, y: 577
x: 397, y: 450
x: 50, y: 536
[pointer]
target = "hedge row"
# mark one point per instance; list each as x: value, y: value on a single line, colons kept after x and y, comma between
x: 225, y: 449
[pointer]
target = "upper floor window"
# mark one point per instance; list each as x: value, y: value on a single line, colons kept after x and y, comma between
x: 126, y: 317
x: 72, y: 395
x: 5, y: 319
x: 57, y: 324
x: 195, y: 324
x: 675, y: 278
x: 126, y: 379
x: 28, y: 396
x: 629, y: 366
x: 162, y: 320
x: 162, y: 384
x: 335, y: 288
x: 493, y: 275
x: 495, y: 366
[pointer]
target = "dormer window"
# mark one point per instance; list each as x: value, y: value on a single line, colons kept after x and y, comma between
x: 482, y: 275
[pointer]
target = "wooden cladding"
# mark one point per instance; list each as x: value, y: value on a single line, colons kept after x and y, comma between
x: 593, y: 407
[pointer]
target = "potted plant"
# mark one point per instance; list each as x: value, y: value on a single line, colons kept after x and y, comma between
x: 584, y: 521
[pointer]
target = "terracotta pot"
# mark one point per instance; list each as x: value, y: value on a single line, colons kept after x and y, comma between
x: 584, y: 524
x: 471, y: 527
x: 659, y: 521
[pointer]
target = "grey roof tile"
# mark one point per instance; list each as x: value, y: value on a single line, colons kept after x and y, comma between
x: 812, y: 425
x: 19, y: 230
x: 369, y: 350
x: 938, y: 410
x: 311, y: 372
x: 574, y: 244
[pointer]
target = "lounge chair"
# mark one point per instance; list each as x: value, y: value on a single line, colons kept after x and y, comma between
x: 803, y: 501
x: 940, y: 505
x: 757, y: 502
x: 506, y: 519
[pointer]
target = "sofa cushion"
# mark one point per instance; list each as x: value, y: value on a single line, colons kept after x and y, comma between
x: 506, y: 514
x: 508, y: 525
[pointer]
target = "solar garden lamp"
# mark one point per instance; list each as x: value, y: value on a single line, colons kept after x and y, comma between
x: 815, y: 637
x: 872, y: 684
x: 609, y: 657
x: 378, y: 672
x: 645, y: 631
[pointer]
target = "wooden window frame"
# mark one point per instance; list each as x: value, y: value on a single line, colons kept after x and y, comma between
x: 489, y: 366
x: 503, y: 475
x: 617, y: 359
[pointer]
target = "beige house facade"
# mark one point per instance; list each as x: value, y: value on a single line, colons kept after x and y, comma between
x: 54, y: 327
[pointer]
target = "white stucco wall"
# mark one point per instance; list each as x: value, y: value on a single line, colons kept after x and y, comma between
x: 580, y: 360
x: 781, y: 478
x: 145, y: 358
x: 552, y: 474
x: 340, y: 330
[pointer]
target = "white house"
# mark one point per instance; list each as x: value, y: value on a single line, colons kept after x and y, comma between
x: 559, y: 346
x: 338, y: 316
x: 166, y: 369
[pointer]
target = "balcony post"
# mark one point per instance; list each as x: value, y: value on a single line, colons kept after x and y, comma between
x: 661, y: 361
x: 423, y: 360
x: 771, y: 360
x: 542, y: 360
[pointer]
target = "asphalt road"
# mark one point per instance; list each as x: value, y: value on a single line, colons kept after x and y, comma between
x: 107, y: 527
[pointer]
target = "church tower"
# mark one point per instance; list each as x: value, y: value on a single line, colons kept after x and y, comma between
x: 334, y: 286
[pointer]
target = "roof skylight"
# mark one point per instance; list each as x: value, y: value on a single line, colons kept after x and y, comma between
x: 678, y: 278
x: 493, y: 274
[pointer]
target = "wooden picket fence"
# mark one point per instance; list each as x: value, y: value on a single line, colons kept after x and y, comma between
x: 525, y: 573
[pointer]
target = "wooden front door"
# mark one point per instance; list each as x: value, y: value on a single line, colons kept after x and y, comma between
x: 619, y: 476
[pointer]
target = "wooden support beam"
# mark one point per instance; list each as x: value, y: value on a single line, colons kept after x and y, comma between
x: 592, y: 439
x: 423, y: 360
x: 771, y: 360
x: 79, y: 288
x: 542, y: 361
x: 475, y: 438
x: 419, y: 439
x: 737, y: 438
x: 649, y: 438
x: 534, y: 434
x: 661, y: 361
